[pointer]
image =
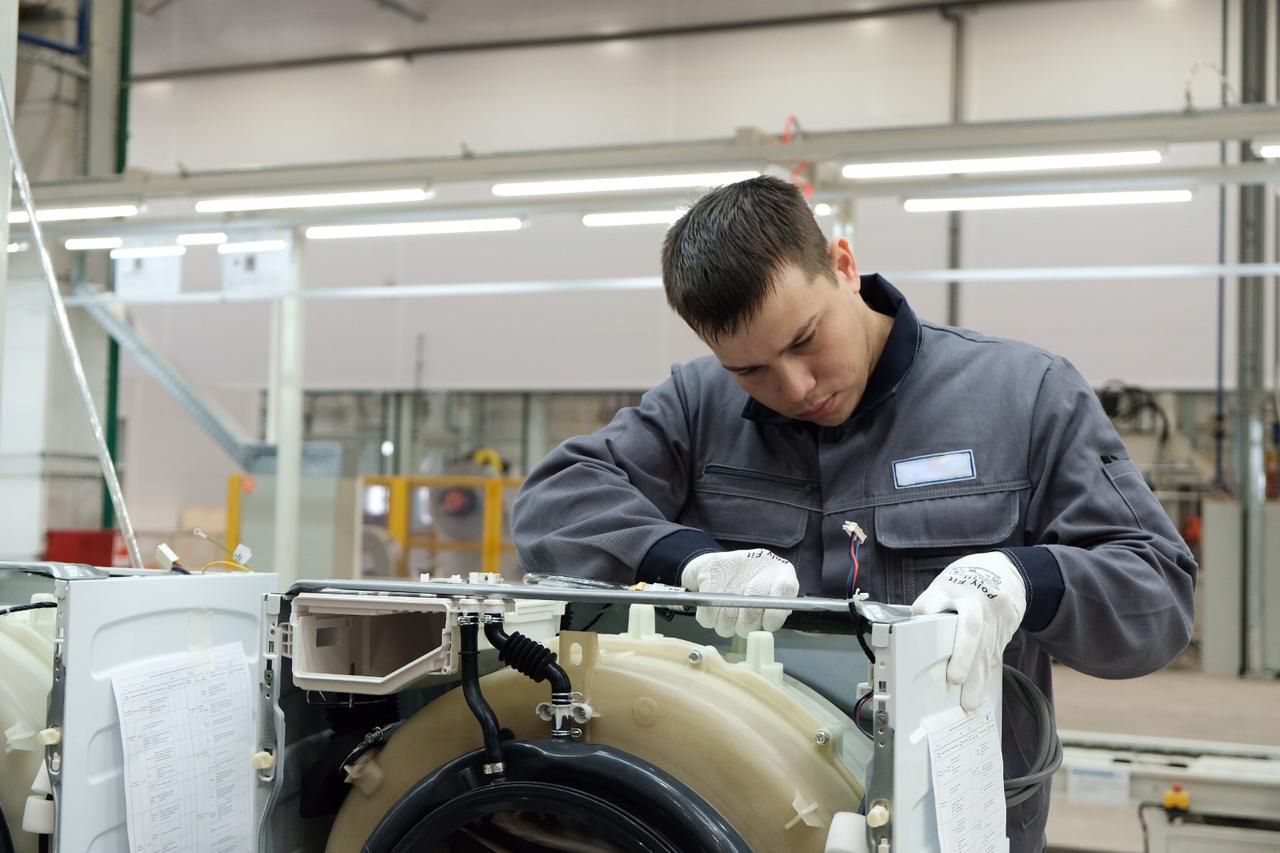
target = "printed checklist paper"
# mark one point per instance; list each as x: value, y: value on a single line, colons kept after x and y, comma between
x: 186, y: 723
x: 968, y: 780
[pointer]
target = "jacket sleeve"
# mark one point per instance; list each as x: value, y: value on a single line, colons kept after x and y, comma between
x: 1110, y: 582
x: 601, y: 505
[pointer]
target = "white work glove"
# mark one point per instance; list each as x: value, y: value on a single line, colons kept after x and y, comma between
x: 988, y: 593
x: 754, y: 572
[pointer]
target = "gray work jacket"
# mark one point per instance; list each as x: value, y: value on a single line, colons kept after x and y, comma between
x: 961, y: 443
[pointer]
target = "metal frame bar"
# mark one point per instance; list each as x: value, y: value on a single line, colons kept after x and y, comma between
x: 425, y: 291
x: 748, y: 148
x: 548, y: 592
x: 221, y: 429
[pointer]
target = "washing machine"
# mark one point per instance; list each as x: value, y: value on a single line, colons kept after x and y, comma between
x: 463, y: 715
x: 480, y: 717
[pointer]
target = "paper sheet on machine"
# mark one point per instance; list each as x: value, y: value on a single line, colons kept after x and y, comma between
x: 186, y: 722
x: 968, y: 780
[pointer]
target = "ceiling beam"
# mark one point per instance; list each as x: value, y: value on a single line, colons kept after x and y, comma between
x: 750, y: 148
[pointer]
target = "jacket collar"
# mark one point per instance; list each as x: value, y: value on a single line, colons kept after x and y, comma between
x: 895, y: 361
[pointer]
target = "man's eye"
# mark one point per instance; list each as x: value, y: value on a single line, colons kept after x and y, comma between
x: 805, y: 342
x: 749, y: 371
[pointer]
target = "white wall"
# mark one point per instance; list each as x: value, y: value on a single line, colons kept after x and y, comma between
x: 1079, y: 57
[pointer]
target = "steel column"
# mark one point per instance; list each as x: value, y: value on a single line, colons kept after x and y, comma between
x: 286, y: 406
x: 1250, y: 346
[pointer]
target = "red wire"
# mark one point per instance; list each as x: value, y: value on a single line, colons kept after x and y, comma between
x: 853, y: 554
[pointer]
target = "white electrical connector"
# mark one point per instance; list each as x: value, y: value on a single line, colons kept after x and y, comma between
x: 166, y: 556
x: 852, y: 529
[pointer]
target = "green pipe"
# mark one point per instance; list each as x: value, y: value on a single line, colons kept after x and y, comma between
x: 113, y: 348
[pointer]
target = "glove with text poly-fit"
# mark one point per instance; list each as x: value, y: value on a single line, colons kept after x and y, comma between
x: 753, y: 572
x: 988, y: 594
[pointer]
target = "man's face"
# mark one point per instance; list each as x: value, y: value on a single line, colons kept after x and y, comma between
x: 810, y: 349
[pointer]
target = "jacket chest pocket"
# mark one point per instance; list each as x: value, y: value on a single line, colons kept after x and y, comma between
x: 920, y: 538
x: 744, y: 508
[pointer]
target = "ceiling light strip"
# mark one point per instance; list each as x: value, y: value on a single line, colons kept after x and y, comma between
x: 631, y: 217
x: 415, y: 229
x: 987, y: 165
x: 305, y: 200
x: 1023, y: 202
x: 69, y: 214
x: 202, y: 238
x: 132, y: 252
x: 619, y: 184
x: 88, y: 244
x: 252, y: 246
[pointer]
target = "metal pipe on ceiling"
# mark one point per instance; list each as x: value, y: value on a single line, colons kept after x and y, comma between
x: 749, y: 149
x: 571, y: 39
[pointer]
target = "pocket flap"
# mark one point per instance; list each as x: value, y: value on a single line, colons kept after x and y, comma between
x: 949, y: 522
x: 749, y: 521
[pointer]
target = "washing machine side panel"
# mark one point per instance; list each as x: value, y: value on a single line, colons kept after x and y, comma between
x: 115, y: 623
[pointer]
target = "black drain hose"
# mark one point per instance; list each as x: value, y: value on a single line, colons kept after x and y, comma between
x: 531, y: 658
x: 484, y: 714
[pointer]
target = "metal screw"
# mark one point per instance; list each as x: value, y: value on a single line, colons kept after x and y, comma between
x: 882, y: 717
x: 695, y: 657
x: 820, y: 737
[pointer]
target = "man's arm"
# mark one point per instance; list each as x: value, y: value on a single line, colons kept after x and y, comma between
x: 601, y: 505
x: 1110, y: 584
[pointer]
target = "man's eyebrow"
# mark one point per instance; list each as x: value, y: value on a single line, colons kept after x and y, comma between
x: 804, y: 332
x: 800, y: 336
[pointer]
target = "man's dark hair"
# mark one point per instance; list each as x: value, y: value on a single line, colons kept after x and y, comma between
x: 720, y: 261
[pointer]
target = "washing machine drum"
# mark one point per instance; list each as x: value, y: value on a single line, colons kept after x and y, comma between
x: 684, y: 750
x: 558, y: 796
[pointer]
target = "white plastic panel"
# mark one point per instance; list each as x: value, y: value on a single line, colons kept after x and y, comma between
x: 116, y: 622
x: 916, y: 667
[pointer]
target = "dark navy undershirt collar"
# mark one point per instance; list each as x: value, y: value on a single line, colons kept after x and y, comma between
x: 895, y: 362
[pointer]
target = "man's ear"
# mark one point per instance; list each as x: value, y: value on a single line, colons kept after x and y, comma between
x: 846, y: 267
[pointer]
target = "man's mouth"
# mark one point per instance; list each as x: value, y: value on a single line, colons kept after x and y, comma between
x: 823, y: 408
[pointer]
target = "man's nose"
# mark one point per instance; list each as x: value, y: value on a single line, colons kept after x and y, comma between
x: 797, y: 383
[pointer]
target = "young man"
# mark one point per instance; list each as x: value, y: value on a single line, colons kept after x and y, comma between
x: 984, y: 472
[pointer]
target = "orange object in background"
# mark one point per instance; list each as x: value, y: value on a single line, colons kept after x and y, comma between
x: 91, y: 547
x: 1193, y: 530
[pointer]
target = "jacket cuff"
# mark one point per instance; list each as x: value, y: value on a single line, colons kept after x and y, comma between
x: 667, y: 558
x: 1045, y: 587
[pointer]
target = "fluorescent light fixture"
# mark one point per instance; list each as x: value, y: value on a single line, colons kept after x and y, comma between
x: 148, y: 252
x: 288, y: 202
x: 1268, y: 151
x: 251, y: 246
x: 1034, y: 163
x: 415, y: 229
x: 18, y: 247
x: 822, y: 209
x: 1013, y: 202
x: 64, y: 214
x: 85, y: 244
x: 202, y: 238
x: 621, y: 184
x: 631, y: 217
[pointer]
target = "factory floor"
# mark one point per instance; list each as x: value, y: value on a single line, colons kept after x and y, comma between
x: 1179, y: 702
